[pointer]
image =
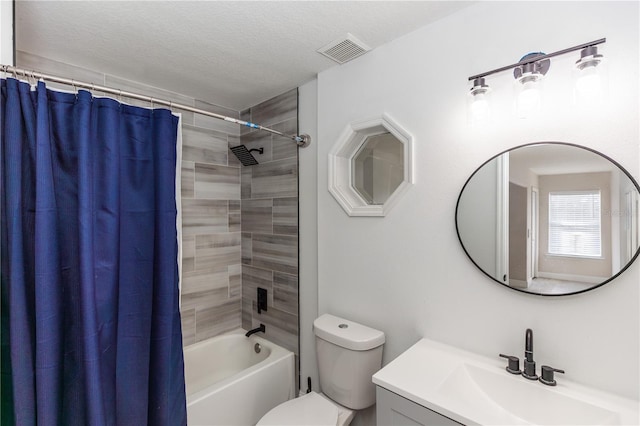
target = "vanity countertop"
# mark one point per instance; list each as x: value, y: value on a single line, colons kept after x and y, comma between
x: 474, y: 389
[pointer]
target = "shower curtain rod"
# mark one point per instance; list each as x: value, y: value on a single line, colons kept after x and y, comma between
x: 302, y: 140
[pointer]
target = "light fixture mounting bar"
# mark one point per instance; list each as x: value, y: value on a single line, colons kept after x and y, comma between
x: 539, y: 58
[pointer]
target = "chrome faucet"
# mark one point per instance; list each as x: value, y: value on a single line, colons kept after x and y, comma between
x: 256, y: 330
x: 529, y: 370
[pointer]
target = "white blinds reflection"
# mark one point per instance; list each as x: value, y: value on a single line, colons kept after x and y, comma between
x: 574, y: 223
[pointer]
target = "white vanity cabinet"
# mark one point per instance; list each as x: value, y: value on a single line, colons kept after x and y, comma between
x: 394, y: 410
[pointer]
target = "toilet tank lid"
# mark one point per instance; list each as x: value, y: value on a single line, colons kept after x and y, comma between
x: 347, y: 334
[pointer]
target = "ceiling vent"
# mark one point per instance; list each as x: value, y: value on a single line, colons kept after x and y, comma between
x: 344, y: 49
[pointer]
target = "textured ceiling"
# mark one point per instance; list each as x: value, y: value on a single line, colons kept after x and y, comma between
x: 231, y: 53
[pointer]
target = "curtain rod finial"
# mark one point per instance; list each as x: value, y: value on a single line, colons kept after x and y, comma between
x: 303, y: 140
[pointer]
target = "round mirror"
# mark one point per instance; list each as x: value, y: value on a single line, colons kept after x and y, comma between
x: 550, y: 219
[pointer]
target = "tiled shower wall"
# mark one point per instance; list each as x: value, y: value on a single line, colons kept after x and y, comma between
x: 211, y: 285
x: 211, y: 268
x: 269, y: 224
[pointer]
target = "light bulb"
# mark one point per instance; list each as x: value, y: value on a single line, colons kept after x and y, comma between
x: 529, y: 78
x: 589, y: 84
x: 480, y: 109
x: 479, y: 102
x: 529, y: 99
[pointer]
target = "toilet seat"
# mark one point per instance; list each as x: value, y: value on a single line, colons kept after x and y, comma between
x: 311, y: 409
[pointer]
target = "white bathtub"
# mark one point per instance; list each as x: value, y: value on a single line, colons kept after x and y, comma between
x: 228, y: 383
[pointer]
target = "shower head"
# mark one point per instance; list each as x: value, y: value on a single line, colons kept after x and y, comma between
x: 245, y: 156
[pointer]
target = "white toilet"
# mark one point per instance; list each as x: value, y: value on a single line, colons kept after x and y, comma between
x: 348, y: 355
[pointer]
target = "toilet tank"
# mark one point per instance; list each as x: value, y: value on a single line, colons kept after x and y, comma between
x: 349, y: 354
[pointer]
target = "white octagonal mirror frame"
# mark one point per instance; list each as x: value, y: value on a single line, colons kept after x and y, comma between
x: 340, y: 165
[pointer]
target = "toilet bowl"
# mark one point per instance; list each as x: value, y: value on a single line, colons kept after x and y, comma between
x: 348, y: 355
x: 311, y: 409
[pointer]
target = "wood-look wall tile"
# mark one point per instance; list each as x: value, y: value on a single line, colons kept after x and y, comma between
x: 234, y: 206
x: 285, y: 292
x: 204, y: 217
x: 188, y: 320
x: 187, y: 179
x: 276, y: 110
x: 235, y: 280
x: 285, y: 147
x: 269, y: 190
x: 246, y: 248
x: 275, y: 252
x: 257, y: 216
x: 204, y: 145
x: 201, y: 280
x: 247, y: 314
x: 214, y: 182
x: 235, y: 216
x: 218, y: 320
x: 207, y: 106
x: 215, y: 123
x: 188, y: 253
x: 275, y: 179
x: 245, y: 182
x: 233, y: 141
x: 252, y: 278
x: 217, y: 251
x: 285, y: 216
x: 205, y: 299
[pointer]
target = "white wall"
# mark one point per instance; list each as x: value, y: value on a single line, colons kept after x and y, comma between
x: 406, y: 274
x: 6, y: 32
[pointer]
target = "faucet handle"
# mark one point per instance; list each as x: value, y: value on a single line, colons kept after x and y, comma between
x: 514, y: 364
x: 546, y: 377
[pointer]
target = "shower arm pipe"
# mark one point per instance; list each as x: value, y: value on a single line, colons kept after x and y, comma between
x: 301, y: 140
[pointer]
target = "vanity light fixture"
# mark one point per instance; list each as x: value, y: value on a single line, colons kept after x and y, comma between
x: 529, y: 72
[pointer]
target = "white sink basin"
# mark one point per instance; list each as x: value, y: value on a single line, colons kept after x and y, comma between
x: 502, y: 398
x: 473, y: 389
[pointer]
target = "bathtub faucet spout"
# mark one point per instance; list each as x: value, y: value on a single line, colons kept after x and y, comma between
x: 255, y: 330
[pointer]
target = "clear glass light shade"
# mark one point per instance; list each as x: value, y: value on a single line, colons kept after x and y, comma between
x: 529, y: 98
x: 589, y: 85
x: 479, y: 103
x: 480, y: 108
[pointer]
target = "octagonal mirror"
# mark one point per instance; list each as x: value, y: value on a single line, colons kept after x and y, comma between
x: 378, y: 168
x: 370, y: 166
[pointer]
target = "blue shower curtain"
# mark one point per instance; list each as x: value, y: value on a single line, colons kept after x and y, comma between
x: 90, y: 319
